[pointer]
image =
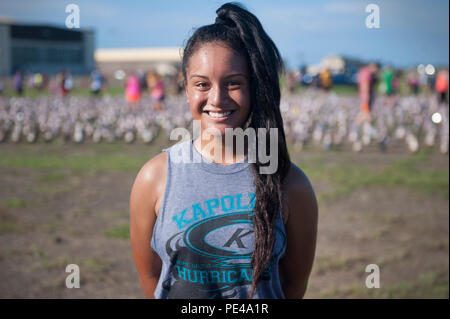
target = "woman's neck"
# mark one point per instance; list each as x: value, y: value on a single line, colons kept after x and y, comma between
x: 218, y: 151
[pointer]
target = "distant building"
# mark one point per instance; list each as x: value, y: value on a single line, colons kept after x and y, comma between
x: 43, y: 48
x: 165, y: 61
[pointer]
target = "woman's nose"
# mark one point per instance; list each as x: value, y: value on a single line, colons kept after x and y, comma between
x: 218, y: 96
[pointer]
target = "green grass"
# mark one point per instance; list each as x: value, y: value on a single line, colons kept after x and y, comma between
x: 327, y: 263
x: 429, y: 285
x: 75, y: 163
x: 51, y: 177
x: 38, y: 253
x: 121, y: 231
x: 15, y: 202
x: 95, y: 265
x: 57, y: 168
x: 57, y: 160
x: 341, y: 89
x: 87, y: 264
x: 56, y: 164
x: 402, y: 173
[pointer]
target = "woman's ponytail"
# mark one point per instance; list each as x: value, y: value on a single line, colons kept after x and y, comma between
x: 243, y: 32
x: 266, y: 65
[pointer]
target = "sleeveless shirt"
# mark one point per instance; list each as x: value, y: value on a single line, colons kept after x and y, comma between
x: 204, y: 230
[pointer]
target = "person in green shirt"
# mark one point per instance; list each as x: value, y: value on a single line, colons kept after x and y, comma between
x: 387, y: 78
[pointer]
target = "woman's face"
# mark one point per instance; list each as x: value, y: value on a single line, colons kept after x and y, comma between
x: 217, y: 87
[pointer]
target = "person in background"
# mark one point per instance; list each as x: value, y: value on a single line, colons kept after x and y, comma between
x: 37, y: 81
x: 68, y: 82
x: 150, y: 79
x: 413, y: 82
x: 157, y: 92
x: 132, y: 91
x: 387, y: 77
x: 326, y: 80
x: 441, y: 85
x: 97, y: 82
x: 18, y: 82
x: 396, y: 82
x: 367, y: 77
x: 142, y: 76
x: 61, y: 79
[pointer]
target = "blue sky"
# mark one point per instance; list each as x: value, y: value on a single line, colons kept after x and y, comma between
x: 411, y: 31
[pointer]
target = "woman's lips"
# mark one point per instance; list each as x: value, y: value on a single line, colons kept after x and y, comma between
x: 220, y: 116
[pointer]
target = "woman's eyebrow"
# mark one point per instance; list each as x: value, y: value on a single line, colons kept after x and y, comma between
x: 198, y: 75
x: 235, y: 74
x: 228, y: 76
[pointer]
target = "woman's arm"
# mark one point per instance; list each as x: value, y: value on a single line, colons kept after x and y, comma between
x: 301, y: 232
x: 145, y: 199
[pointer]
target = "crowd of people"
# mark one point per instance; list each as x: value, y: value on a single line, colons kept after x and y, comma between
x: 385, y: 80
x: 152, y: 81
x: 134, y: 84
x: 61, y: 84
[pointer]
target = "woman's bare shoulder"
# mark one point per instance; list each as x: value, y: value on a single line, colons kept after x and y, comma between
x: 152, y: 171
x: 296, y: 178
x: 299, y: 192
x: 150, y: 182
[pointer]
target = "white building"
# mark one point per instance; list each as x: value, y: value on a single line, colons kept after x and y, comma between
x: 165, y: 61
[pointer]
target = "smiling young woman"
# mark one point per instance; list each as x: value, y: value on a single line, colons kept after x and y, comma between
x: 212, y: 229
x: 218, y: 87
x: 218, y: 91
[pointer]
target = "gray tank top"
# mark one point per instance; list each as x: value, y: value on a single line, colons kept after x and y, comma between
x: 204, y: 230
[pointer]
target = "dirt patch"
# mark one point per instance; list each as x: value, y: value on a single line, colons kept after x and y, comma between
x: 404, y: 232
x: 49, y: 219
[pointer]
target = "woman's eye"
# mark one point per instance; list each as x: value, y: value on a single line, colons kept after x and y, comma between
x: 202, y: 85
x: 234, y: 83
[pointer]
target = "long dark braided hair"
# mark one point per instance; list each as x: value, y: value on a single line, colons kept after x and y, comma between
x: 242, y: 32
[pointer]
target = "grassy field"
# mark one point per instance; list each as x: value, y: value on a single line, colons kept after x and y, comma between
x: 66, y: 203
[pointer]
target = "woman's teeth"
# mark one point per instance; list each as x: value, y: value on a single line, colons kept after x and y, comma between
x: 216, y: 114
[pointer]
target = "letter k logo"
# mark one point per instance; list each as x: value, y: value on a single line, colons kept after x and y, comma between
x: 236, y: 237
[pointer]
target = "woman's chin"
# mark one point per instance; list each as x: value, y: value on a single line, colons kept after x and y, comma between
x: 216, y: 129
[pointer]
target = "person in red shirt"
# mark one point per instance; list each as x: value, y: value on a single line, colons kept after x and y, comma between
x: 441, y: 85
x: 366, y: 83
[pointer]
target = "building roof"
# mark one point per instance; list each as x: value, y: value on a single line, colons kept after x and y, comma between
x: 138, y: 55
x: 45, y: 32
